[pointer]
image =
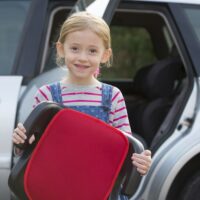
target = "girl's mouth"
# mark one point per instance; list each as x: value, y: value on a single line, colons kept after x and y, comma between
x: 81, y: 66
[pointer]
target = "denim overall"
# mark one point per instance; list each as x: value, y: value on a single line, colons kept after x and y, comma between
x: 100, y: 112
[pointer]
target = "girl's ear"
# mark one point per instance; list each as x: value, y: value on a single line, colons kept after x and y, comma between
x: 60, y: 49
x: 106, y: 55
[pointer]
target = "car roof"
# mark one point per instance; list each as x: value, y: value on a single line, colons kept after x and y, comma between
x: 174, y: 1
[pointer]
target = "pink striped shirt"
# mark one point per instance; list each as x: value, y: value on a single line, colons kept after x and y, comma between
x: 89, y: 95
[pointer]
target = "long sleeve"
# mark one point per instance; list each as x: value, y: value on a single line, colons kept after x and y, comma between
x: 42, y: 94
x: 118, y: 116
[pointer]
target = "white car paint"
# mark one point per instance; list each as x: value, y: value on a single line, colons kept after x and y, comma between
x: 10, y: 87
x: 100, y: 4
x: 10, y: 90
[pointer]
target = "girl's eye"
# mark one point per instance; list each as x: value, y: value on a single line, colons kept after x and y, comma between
x: 93, y: 51
x: 74, y: 49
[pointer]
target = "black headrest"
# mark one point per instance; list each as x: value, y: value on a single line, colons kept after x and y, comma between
x: 157, y: 80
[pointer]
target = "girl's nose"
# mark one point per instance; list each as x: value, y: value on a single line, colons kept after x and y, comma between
x: 83, y: 56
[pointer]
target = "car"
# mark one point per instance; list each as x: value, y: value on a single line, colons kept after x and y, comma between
x: 156, y: 45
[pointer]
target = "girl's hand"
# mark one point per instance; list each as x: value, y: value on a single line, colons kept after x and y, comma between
x: 19, y: 135
x: 142, y: 161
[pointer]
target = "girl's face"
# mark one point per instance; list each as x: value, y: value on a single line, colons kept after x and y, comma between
x: 83, y: 52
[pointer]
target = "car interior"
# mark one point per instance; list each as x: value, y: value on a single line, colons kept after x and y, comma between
x: 156, y: 84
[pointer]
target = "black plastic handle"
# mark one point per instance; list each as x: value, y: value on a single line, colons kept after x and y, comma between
x: 38, y: 120
x: 137, y: 145
x: 133, y: 177
x: 129, y: 178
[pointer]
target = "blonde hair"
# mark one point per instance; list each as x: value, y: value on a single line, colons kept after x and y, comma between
x: 81, y: 21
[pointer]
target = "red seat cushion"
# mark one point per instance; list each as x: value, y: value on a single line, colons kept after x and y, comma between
x: 77, y: 158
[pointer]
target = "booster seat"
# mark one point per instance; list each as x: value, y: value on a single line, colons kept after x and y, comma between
x: 75, y: 156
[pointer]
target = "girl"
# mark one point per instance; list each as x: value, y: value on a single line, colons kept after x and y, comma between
x: 83, y: 45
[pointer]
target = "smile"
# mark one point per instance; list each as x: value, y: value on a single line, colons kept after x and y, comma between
x: 81, y: 66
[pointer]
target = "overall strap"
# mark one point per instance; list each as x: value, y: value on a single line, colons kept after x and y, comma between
x: 106, y: 95
x: 55, y: 89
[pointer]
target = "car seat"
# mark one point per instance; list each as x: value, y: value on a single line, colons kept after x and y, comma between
x: 154, y: 88
x: 75, y: 156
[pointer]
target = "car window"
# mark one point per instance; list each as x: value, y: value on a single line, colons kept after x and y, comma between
x: 135, y: 43
x: 132, y: 48
x: 12, y: 18
x: 193, y: 14
x: 57, y: 19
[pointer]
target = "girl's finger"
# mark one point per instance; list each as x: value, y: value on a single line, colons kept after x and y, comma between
x: 21, y: 127
x: 16, y: 137
x: 32, y: 139
x: 141, y: 171
x: 141, y: 158
x: 147, y: 152
x: 20, y: 133
x: 140, y: 166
